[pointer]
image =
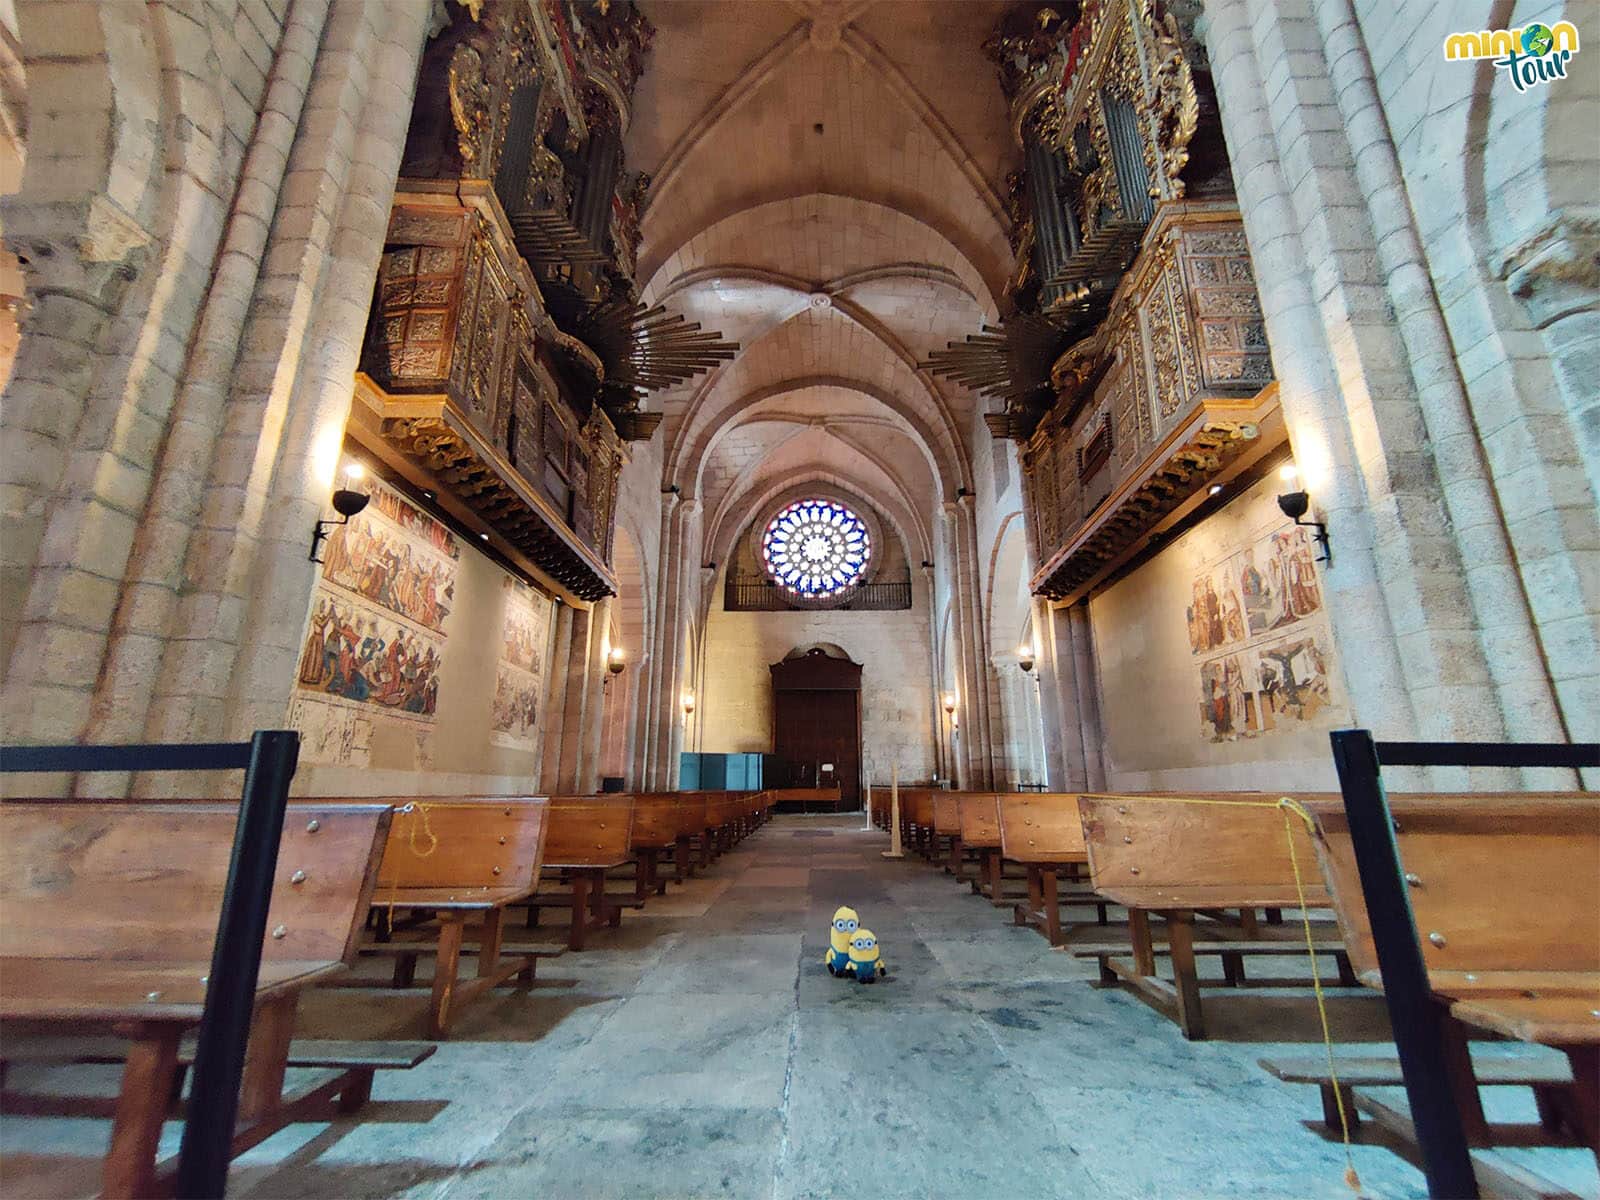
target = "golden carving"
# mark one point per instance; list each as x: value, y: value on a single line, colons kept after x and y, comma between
x: 469, y: 102
x: 1175, y: 101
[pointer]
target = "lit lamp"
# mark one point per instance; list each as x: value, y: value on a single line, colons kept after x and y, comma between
x: 1025, y: 658
x: 1295, y: 504
x: 950, y: 704
x: 615, y: 662
x: 348, y: 500
x: 688, y: 704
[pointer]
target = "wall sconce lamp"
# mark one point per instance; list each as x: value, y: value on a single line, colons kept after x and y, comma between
x: 688, y: 704
x: 1295, y: 505
x: 347, y: 502
x: 1025, y: 658
x: 616, y: 661
x: 950, y: 705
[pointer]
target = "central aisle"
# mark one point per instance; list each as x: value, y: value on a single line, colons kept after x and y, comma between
x: 702, y: 1050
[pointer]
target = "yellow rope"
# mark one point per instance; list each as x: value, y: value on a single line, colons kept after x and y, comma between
x: 1287, y: 805
x: 419, y: 809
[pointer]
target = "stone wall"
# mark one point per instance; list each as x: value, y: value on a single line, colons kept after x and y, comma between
x: 735, y: 705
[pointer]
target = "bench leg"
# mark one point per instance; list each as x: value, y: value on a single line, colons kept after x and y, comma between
x: 605, y: 910
x: 1274, y: 916
x: 996, y: 875
x: 1330, y: 1107
x: 490, y: 941
x: 358, y: 1091
x: 266, y: 1058
x: 657, y: 879
x: 1248, y: 924
x: 1144, y: 953
x: 955, y: 858
x: 641, y: 877
x: 405, y: 970
x: 1233, y: 967
x: 1464, y: 1082
x: 129, y: 1169
x: 579, y: 929
x: 445, y: 966
x: 1347, y: 975
x: 1180, y: 942
x: 1585, y: 1093
x: 1052, y: 907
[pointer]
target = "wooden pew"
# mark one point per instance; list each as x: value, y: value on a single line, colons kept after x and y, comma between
x: 980, y: 832
x: 589, y: 836
x: 656, y: 822
x: 947, y: 825
x: 458, y: 858
x: 692, y: 827
x: 110, y: 912
x: 916, y: 814
x: 1172, y: 856
x: 1505, y: 890
x: 1044, y: 832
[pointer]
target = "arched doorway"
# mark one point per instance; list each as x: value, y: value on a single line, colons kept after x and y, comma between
x: 816, y: 722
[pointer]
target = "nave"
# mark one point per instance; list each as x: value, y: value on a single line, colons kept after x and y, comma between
x: 701, y: 1049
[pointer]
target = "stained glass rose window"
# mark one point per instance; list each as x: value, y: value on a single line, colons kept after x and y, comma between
x: 816, y: 548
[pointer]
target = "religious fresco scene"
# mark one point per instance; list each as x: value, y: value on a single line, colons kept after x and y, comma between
x: 1250, y: 604
x: 780, y: 599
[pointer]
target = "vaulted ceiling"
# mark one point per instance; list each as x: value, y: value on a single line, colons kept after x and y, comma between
x: 827, y: 191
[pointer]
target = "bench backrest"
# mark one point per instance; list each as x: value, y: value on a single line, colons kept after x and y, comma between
x: 980, y: 820
x: 721, y: 809
x: 1186, y: 850
x: 655, y: 819
x: 947, y: 814
x: 1508, y: 882
x: 1041, y: 827
x: 691, y: 814
x: 143, y: 882
x: 465, y: 842
x: 589, y: 830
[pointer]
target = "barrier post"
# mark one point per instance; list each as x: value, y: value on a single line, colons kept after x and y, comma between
x: 894, y: 850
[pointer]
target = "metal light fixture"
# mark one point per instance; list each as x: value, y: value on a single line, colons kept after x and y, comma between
x: 688, y: 704
x: 1025, y: 658
x: 616, y: 662
x: 950, y: 704
x: 1296, y: 504
x: 347, y: 502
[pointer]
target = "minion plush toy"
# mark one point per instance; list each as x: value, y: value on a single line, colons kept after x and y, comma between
x: 845, y: 923
x: 866, y: 960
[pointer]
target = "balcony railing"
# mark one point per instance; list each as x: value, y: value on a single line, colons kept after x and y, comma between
x: 756, y: 593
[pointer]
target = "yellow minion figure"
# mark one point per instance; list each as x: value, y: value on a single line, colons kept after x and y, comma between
x: 866, y: 960
x: 845, y: 923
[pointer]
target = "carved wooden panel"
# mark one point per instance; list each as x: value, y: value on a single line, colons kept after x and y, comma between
x: 1232, y: 335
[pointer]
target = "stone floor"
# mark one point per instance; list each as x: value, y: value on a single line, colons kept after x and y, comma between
x: 702, y: 1050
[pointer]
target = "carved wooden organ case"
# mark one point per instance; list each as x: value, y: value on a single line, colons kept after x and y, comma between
x: 1129, y: 244
x: 509, y: 188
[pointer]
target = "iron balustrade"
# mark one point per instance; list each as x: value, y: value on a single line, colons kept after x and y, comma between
x: 757, y: 593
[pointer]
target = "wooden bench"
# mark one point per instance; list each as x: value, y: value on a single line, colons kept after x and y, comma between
x: 1172, y: 856
x: 110, y: 915
x: 458, y: 858
x: 692, y: 834
x: 947, y: 826
x: 916, y: 818
x: 1044, y: 832
x: 588, y: 837
x: 656, y: 823
x: 1505, y: 890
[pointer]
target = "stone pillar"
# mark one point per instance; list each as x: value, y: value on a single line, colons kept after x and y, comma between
x: 1054, y: 676
x: 555, y: 703
x: 1086, y: 681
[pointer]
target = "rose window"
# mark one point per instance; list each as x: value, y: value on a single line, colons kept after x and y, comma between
x: 816, y: 549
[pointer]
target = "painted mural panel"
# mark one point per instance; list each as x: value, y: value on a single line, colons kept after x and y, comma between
x: 519, y: 675
x: 376, y: 638
x: 1262, y: 607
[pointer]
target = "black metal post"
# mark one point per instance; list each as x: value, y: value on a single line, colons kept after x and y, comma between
x: 235, y: 966
x: 1415, y: 1016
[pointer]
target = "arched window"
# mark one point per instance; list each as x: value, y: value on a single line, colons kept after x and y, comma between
x: 816, y: 548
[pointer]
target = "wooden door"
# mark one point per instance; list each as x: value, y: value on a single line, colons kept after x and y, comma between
x: 815, y: 727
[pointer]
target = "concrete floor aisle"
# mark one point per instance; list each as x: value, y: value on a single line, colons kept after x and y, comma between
x: 702, y: 1050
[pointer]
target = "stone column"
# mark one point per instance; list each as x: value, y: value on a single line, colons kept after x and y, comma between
x: 555, y: 702
x: 1054, y: 675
